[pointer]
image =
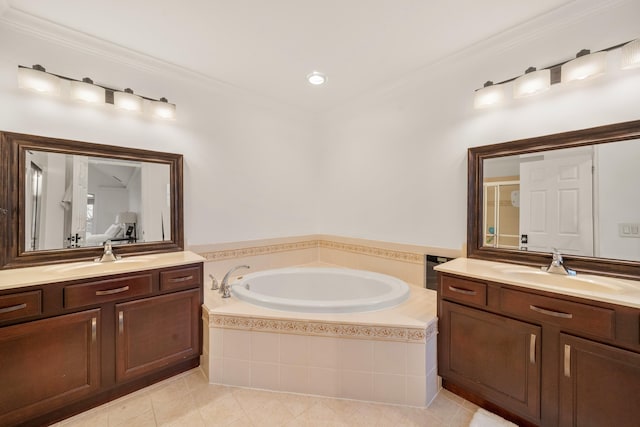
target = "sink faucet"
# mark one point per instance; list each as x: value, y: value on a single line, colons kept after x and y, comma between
x: 225, y: 289
x: 557, y: 265
x: 107, y: 255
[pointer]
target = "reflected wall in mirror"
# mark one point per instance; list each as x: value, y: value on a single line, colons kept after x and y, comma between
x: 576, y: 192
x: 66, y: 198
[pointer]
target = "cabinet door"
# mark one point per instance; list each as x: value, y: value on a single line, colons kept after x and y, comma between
x: 46, y: 364
x: 155, y: 332
x: 599, y: 384
x: 495, y: 357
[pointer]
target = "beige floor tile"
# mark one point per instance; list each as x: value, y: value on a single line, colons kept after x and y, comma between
x: 222, y: 411
x: 250, y: 398
x: 462, y: 418
x: 143, y: 419
x: 129, y: 408
x: 98, y: 417
x: 272, y: 414
x: 188, y: 400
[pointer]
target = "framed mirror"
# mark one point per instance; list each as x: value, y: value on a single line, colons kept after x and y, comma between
x: 61, y: 200
x: 575, y: 191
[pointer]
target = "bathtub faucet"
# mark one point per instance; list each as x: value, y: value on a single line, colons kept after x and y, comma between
x: 225, y: 289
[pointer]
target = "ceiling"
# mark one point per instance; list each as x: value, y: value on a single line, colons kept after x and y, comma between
x: 269, y: 46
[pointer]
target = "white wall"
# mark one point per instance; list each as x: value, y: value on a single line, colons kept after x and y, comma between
x: 248, y: 163
x: 619, y: 198
x: 388, y: 166
x: 395, y: 161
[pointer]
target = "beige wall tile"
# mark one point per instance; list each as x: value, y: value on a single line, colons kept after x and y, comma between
x: 265, y: 347
x: 237, y: 344
x: 294, y: 378
x: 294, y: 349
x: 416, y: 394
x: 356, y: 355
x: 416, y: 359
x: 236, y: 372
x: 433, y: 386
x: 216, y: 368
x: 324, y: 352
x: 356, y: 385
x: 324, y: 381
x: 265, y: 375
x: 216, y: 342
x: 389, y: 357
x: 389, y: 388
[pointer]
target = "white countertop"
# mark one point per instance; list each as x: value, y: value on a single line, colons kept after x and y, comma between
x: 597, y: 288
x: 29, y: 276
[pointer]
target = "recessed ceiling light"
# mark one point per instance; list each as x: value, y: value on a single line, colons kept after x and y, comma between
x: 316, y: 78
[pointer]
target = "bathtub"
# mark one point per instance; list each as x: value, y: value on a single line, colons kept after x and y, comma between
x: 321, y: 290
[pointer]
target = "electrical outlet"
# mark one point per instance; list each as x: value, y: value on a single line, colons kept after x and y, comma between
x: 629, y: 230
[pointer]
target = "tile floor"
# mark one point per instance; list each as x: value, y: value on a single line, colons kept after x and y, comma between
x: 188, y: 400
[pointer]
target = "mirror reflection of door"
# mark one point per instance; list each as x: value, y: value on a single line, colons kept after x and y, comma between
x: 501, y: 212
x: 557, y: 203
x: 36, y: 204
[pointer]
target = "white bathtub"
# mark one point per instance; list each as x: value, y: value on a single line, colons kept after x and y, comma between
x: 321, y: 290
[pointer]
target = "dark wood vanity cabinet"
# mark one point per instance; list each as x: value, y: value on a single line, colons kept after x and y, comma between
x: 79, y: 344
x: 539, y: 358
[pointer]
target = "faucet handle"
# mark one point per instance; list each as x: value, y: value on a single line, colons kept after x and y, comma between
x: 214, y: 283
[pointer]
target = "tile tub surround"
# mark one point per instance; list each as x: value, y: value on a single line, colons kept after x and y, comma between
x: 400, y: 260
x: 384, y: 356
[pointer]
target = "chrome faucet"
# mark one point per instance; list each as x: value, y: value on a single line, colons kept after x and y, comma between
x: 557, y: 265
x: 107, y: 255
x: 225, y: 289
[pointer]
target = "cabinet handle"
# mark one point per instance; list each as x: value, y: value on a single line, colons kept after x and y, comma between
x: 94, y: 324
x: 180, y: 279
x: 551, y: 312
x: 462, y: 291
x: 532, y: 349
x: 567, y: 360
x: 120, y: 321
x: 12, y: 308
x: 112, y: 291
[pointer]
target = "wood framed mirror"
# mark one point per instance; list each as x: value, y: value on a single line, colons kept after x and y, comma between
x: 60, y: 200
x: 519, y: 207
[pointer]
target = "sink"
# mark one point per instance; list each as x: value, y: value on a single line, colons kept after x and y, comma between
x: 90, y: 265
x: 581, y: 282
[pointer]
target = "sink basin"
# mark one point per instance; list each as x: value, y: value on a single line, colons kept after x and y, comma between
x: 581, y: 282
x: 90, y: 265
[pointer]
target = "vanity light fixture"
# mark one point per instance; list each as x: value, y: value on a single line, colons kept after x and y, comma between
x: 316, y: 78
x: 126, y: 100
x: 163, y: 109
x: 585, y: 66
x: 532, y: 82
x: 491, y: 94
x: 86, y: 91
x: 37, y: 79
x: 630, y: 55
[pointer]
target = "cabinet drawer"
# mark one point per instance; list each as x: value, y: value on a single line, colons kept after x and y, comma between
x: 565, y: 314
x: 179, y: 278
x: 20, y: 305
x: 107, y: 290
x: 464, y: 290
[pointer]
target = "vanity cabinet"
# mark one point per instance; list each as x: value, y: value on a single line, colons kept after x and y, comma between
x: 48, y: 363
x: 599, y: 384
x: 68, y: 346
x: 496, y: 355
x: 539, y: 358
x: 156, y: 332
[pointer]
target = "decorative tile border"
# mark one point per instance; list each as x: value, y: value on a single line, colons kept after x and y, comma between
x: 316, y: 328
x: 411, y: 257
x: 258, y: 250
